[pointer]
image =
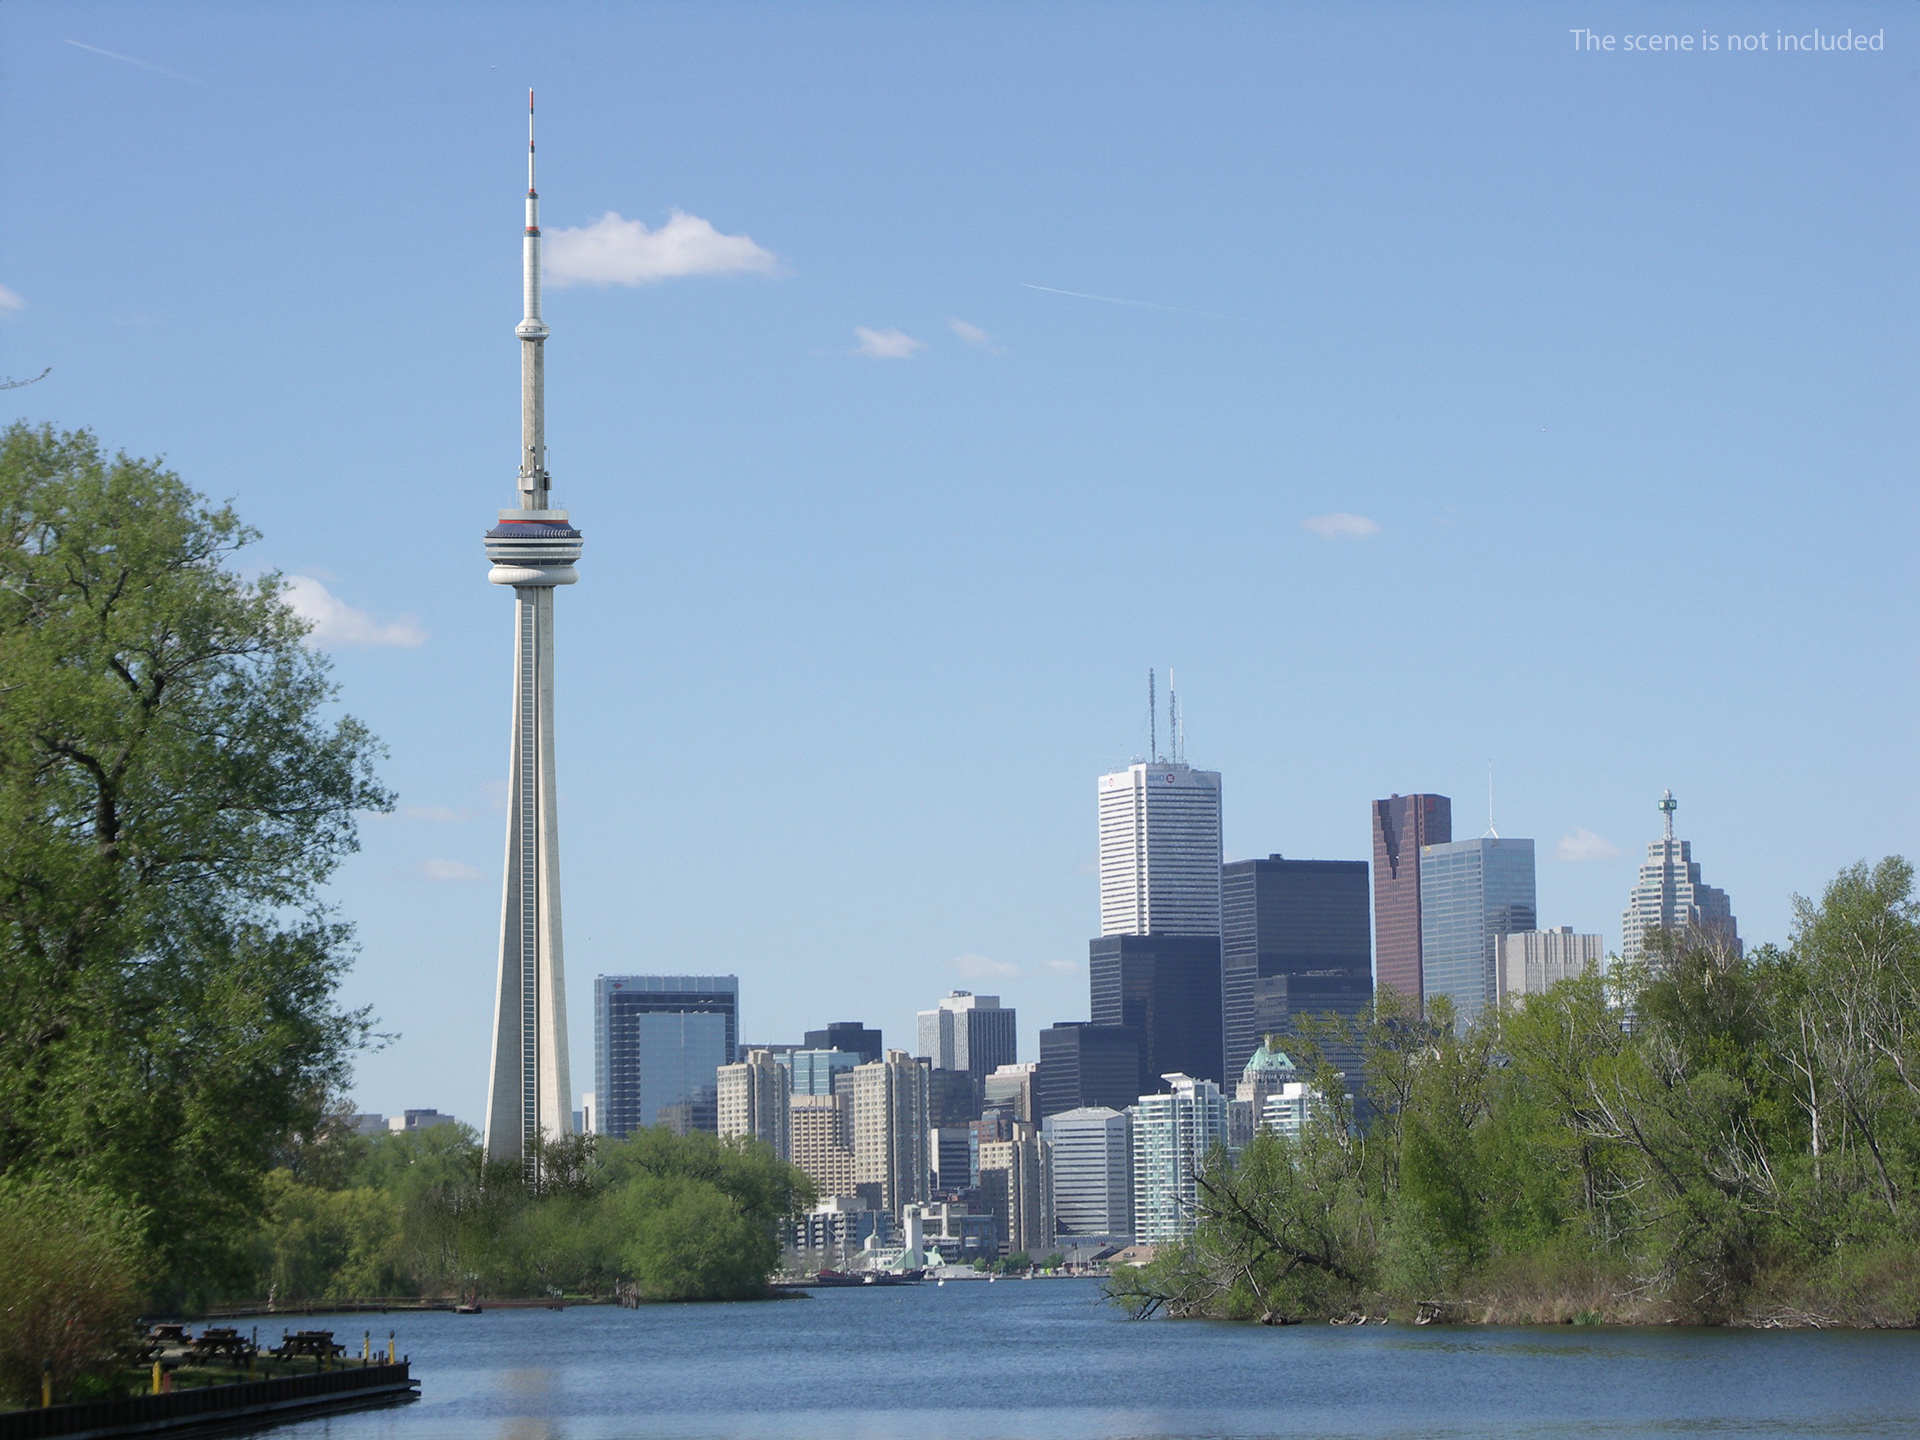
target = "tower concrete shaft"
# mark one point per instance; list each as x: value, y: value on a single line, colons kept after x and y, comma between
x: 533, y: 549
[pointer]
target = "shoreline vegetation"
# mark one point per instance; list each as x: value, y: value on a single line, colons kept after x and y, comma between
x: 1705, y: 1139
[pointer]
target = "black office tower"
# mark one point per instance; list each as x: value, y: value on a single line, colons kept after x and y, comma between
x: 1165, y: 988
x: 1086, y: 1064
x: 848, y: 1035
x: 1295, y: 942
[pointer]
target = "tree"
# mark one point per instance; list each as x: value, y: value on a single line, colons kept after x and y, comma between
x: 174, y: 789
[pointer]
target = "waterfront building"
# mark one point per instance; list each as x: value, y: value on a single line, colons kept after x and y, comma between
x: 1092, y: 1172
x: 1670, y: 896
x: 1166, y: 990
x: 658, y: 1044
x: 820, y: 1142
x: 835, y: 1232
x: 847, y: 1035
x: 1160, y: 850
x: 956, y: 1232
x: 1471, y: 893
x: 532, y: 549
x: 813, y: 1071
x: 1083, y: 1064
x: 968, y: 1032
x: 1172, y: 1137
x: 1294, y: 941
x: 890, y: 1161
x: 1403, y: 825
x: 1531, y: 961
x: 1012, y: 1088
x: 755, y: 1100
x: 1016, y: 1177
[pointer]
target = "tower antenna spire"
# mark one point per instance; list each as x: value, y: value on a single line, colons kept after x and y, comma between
x: 1490, y: 830
x: 1153, y: 722
x: 1667, y: 806
x: 1173, y: 719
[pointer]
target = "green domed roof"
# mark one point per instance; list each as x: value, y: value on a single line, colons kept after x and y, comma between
x: 1268, y: 1059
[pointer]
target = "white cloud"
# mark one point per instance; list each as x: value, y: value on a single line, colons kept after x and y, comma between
x: 1065, y: 967
x: 886, y: 344
x: 1577, y: 845
x: 979, y: 967
x: 974, y: 335
x: 337, y: 625
x: 453, y: 872
x: 10, y: 300
x: 613, y: 251
x: 1341, y: 526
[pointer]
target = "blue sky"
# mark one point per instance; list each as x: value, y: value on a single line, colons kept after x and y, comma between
x: 1612, y: 353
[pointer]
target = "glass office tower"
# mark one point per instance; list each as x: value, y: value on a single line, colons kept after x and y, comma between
x: 1294, y: 941
x: 658, y: 1044
x: 1471, y: 892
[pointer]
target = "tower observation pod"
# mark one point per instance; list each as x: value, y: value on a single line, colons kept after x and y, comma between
x: 533, y: 549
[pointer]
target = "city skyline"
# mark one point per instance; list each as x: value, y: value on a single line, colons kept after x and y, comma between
x: 1460, y: 372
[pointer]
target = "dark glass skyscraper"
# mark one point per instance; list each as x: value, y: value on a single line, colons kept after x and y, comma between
x: 847, y: 1035
x: 1294, y: 941
x: 658, y: 1044
x: 1083, y: 1064
x: 1401, y: 825
x: 1166, y: 988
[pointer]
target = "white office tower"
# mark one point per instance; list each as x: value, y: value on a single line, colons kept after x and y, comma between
x: 1092, y: 1172
x: 1671, y: 896
x: 890, y: 1113
x: 755, y: 1101
x: 1172, y: 1136
x: 968, y: 1032
x: 1017, y: 1178
x: 1533, y: 961
x: 1160, y: 850
x: 530, y: 1098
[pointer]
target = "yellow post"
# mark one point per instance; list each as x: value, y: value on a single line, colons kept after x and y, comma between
x: 156, y: 1379
x: 366, y: 1347
x: 46, y: 1387
x: 389, y: 1347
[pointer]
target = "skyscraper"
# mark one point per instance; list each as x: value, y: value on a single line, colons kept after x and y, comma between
x: 1166, y: 990
x: 968, y: 1032
x: 1172, y: 1137
x: 755, y: 1101
x: 813, y: 1071
x: 1086, y: 1065
x: 1160, y: 850
x: 890, y: 1161
x: 1671, y: 896
x: 1092, y: 1171
x: 847, y: 1035
x: 1533, y: 961
x: 1016, y: 1176
x: 1294, y: 942
x: 821, y: 1144
x: 1402, y: 825
x: 1471, y: 893
x: 1014, y: 1089
x: 658, y: 1044
x: 533, y: 548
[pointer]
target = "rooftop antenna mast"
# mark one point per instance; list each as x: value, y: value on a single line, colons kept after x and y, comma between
x: 1490, y: 830
x: 1173, y: 720
x: 1667, y: 806
x: 1153, y: 722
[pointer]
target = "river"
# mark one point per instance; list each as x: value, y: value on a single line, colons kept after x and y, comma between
x: 1047, y: 1360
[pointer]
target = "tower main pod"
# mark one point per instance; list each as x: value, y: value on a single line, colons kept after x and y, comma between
x: 533, y: 549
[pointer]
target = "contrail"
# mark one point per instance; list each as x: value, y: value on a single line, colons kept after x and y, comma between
x: 1116, y: 300
x: 129, y: 60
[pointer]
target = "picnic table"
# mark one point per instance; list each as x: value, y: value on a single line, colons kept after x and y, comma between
x: 317, y: 1343
x: 218, y: 1341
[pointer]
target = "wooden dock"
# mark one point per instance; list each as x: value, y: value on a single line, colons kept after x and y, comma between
x: 201, y: 1411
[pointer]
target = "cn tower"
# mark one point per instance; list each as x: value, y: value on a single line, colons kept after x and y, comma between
x: 533, y: 548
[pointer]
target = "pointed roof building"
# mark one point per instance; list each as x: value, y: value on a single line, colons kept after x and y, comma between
x: 1671, y: 896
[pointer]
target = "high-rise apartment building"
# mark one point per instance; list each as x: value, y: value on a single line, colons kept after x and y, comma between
x: 1092, y: 1172
x: 1402, y: 826
x: 1172, y: 1136
x: 1670, y: 896
x: 1294, y: 941
x: 820, y: 1142
x: 1533, y: 961
x: 1083, y: 1064
x: 847, y: 1035
x: 1016, y: 1176
x: 890, y: 1160
x: 1160, y: 851
x: 658, y: 1044
x: 1471, y: 893
x: 968, y: 1032
x: 1166, y: 989
x: 755, y: 1097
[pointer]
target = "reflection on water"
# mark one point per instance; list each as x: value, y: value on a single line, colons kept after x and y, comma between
x: 1048, y: 1361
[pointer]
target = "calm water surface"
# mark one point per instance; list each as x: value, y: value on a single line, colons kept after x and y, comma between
x: 1034, y: 1360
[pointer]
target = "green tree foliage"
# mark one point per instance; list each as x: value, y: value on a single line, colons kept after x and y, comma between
x: 663, y: 1216
x: 70, y: 1277
x: 1706, y: 1138
x: 174, y: 788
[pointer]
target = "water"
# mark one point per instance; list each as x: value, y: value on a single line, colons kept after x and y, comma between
x: 1046, y: 1360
